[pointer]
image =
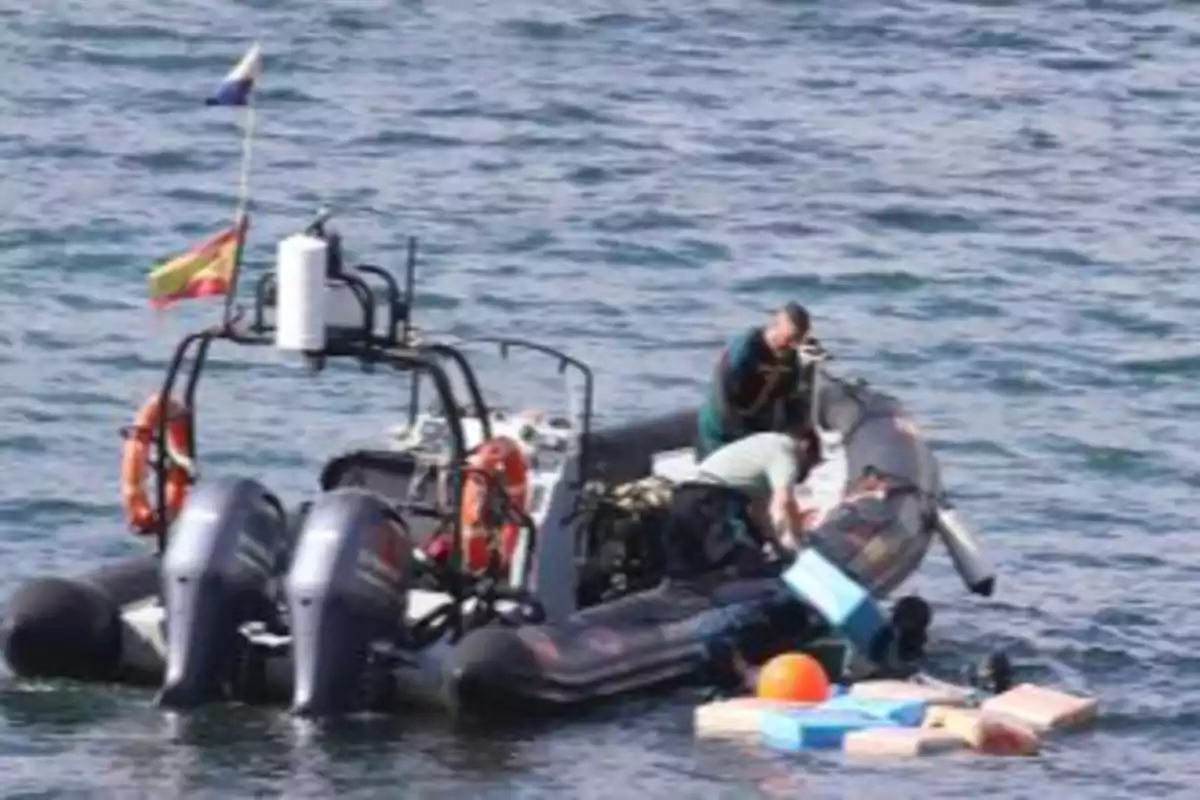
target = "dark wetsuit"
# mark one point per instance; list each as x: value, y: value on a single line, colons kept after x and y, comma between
x: 753, y: 391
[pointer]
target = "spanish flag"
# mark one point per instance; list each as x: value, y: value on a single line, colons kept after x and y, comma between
x: 204, y: 271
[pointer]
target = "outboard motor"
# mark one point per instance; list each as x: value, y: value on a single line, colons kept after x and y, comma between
x: 229, y: 541
x: 347, y: 588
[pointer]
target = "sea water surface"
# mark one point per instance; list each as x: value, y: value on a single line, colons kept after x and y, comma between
x: 991, y: 208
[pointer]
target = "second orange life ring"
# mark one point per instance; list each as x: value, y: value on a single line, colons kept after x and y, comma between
x: 140, y: 512
x: 501, y: 458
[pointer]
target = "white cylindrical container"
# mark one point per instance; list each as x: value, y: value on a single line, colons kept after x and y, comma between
x: 343, y: 309
x: 300, y: 293
x: 968, y: 559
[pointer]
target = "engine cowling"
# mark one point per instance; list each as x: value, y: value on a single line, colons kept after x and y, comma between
x: 347, y: 587
x: 229, y: 542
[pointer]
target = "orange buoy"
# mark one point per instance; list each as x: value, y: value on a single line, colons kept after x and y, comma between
x: 501, y: 459
x: 140, y: 513
x: 793, y: 678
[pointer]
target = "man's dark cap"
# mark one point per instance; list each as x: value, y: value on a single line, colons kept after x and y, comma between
x: 798, y: 316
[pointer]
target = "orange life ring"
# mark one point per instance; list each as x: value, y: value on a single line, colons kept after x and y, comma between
x: 501, y: 458
x: 140, y: 512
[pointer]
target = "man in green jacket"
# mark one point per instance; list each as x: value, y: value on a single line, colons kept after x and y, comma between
x: 760, y: 384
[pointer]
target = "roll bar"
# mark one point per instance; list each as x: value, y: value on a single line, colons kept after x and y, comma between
x: 565, y: 362
x: 505, y: 345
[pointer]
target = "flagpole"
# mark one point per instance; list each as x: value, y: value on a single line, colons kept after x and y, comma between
x: 241, y: 217
x: 247, y: 155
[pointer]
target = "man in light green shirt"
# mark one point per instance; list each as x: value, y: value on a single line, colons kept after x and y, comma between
x: 736, y: 494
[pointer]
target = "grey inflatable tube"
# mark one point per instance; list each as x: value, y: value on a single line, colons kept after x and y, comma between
x: 882, y: 530
x: 72, y: 628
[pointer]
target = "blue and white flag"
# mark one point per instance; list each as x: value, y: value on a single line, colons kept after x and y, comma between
x: 239, y: 83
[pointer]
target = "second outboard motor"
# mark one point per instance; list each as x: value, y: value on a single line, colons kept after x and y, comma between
x: 347, y: 588
x: 230, y: 540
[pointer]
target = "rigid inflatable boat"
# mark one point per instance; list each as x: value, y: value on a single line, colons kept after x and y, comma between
x: 339, y: 602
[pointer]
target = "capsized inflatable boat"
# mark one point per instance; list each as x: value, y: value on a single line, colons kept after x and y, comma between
x: 477, y: 561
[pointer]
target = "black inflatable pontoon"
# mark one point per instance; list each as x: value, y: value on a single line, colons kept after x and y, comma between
x: 335, y: 606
